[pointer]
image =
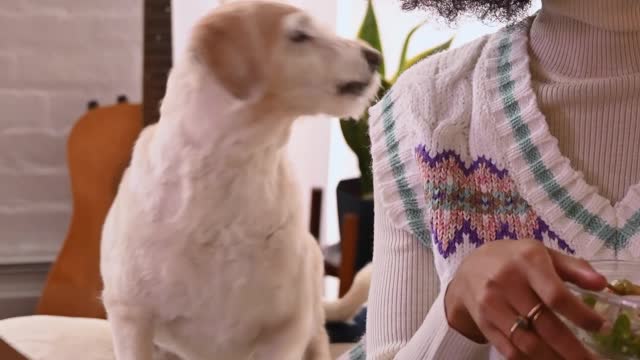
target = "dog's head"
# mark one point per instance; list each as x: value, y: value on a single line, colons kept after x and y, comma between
x: 277, y: 56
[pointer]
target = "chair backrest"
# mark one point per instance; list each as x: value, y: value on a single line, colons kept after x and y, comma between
x: 98, y: 151
x: 316, y: 212
x: 346, y: 270
x: 348, y: 251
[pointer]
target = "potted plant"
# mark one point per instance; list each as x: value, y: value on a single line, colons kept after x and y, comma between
x: 356, y: 195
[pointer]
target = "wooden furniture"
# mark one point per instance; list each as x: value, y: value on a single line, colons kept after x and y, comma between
x: 9, y: 353
x: 316, y: 212
x: 99, y: 150
x: 348, y: 251
x: 340, y: 258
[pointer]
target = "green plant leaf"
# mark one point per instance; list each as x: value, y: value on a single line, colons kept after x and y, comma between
x: 356, y: 131
x: 416, y: 59
x: 405, y: 46
x: 349, y: 132
x: 356, y: 135
x: 370, y: 33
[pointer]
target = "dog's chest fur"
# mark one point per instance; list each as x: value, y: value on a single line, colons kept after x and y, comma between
x: 213, y: 256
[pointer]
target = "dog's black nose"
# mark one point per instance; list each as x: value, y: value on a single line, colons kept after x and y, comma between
x: 373, y: 57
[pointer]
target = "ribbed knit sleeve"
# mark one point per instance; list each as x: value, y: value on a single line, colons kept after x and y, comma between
x: 406, y: 317
x: 406, y: 314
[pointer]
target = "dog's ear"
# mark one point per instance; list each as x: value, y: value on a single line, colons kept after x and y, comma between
x: 231, y: 49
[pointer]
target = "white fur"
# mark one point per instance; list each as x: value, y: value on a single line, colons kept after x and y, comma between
x: 346, y: 307
x: 204, y: 252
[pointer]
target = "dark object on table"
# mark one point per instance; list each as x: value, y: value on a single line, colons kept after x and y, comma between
x: 348, y: 332
x: 350, y: 200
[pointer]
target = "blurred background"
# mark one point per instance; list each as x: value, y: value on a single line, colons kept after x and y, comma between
x: 56, y: 56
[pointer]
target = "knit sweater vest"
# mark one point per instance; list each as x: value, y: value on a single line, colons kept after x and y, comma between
x: 462, y: 156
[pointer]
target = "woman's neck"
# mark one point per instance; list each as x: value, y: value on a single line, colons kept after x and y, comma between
x: 587, y: 38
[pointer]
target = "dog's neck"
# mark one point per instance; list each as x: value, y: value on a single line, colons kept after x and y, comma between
x: 202, y: 126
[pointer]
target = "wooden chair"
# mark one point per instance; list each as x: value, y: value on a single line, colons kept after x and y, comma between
x: 9, y: 353
x: 340, y: 258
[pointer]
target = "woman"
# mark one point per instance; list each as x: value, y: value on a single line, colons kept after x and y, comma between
x: 530, y: 134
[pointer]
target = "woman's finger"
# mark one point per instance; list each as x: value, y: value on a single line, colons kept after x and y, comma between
x: 556, y: 336
x: 534, y: 345
x: 577, y: 271
x: 550, y: 288
x: 499, y: 318
x: 559, y: 337
x: 503, y: 345
x: 527, y: 341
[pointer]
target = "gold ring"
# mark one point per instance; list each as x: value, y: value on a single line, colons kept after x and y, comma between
x: 521, y: 323
x: 535, y: 316
x: 535, y: 313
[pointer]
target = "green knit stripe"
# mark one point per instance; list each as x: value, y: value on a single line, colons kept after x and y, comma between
x: 414, y: 213
x: 631, y: 227
x: 358, y: 352
x: 614, y: 238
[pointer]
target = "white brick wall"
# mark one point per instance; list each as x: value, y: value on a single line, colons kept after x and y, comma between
x: 55, y: 56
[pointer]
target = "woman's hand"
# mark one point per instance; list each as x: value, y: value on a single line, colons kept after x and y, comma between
x: 505, y: 279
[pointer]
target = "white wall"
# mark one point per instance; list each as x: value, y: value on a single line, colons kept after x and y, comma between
x: 55, y: 56
x: 184, y: 13
x: 395, y: 24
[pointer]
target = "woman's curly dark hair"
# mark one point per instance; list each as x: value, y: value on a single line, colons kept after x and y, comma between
x: 501, y: 10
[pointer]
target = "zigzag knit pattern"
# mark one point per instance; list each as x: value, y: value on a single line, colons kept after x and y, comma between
x: 479, y: 203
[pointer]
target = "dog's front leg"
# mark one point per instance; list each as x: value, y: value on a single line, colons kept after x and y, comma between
x: 318, y: 348
x: 132, y: 332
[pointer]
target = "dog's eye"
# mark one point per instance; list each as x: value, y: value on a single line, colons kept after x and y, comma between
x: 299, y: 37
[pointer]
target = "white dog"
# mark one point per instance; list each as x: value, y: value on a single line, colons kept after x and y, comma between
x: 205, y: 254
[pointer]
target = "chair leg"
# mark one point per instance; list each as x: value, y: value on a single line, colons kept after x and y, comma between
x: 349, y: 247
x: 316, y: 213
